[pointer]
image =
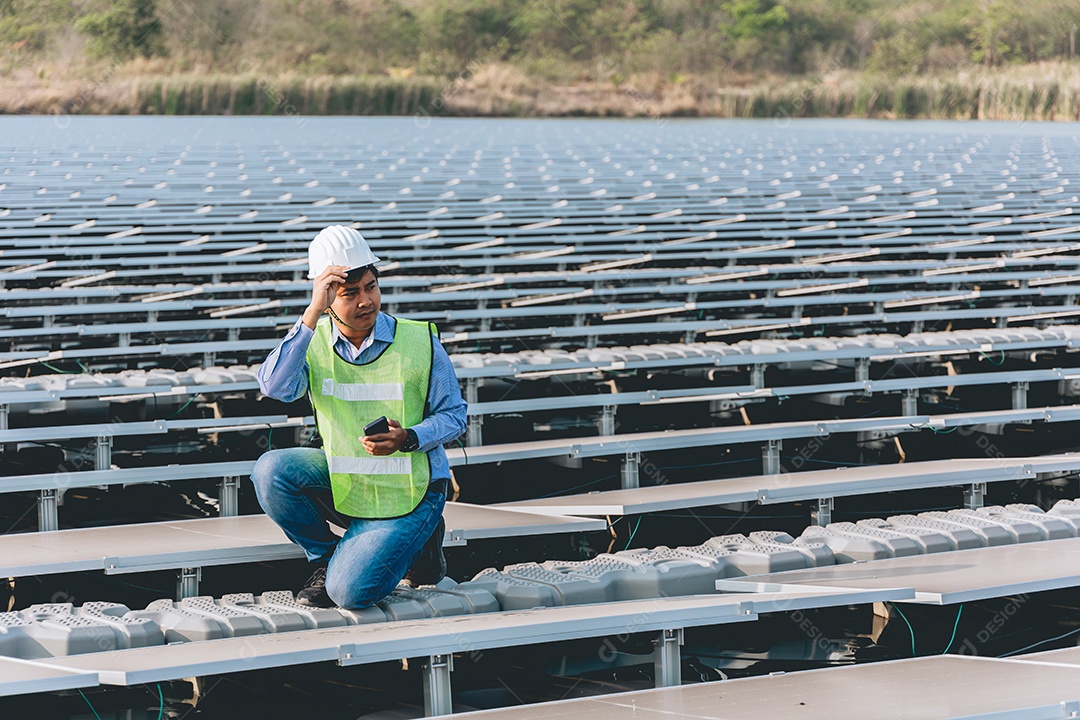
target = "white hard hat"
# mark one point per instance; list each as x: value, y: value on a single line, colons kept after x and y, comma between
x: 338, y: 245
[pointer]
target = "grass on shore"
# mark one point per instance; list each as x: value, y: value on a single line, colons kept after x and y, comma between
x: 1044, y: 92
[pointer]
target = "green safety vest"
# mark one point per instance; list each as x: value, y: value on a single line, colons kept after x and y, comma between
x: 346, y: 397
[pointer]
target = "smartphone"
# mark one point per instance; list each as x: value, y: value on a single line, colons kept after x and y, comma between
x: 377, y: 427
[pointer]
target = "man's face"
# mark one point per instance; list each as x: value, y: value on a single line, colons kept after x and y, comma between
x: 357, y: 303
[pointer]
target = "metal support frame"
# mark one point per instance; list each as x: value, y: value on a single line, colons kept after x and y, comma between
x: 102, y: 452
x: 48, y: 517
x: 862, y: 369
x: 229, y: 496
x: 234, y: 334
x: 438, y: 699
x: 975, y: 495
x: 630, y: 466
x: 770, y: 457
x: 209, y: 359
x: 667, y: 659
x: 909, y: 402
x: 1020, y: 394
x: 607, y: 420
x: 689, y: 337
x: 124, y: 340
x: 821, y: 512
x: 474, y: 436
x: 187, y: 582
x: 6, y: 447
x: 757, y: 376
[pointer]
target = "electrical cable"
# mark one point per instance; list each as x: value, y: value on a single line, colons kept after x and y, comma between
x: 161, y: 703
x: 56, y: 369
x: 577, y: 487
x: 910, y: 629
x: 91, y: 706
x: 1041, y: 642
x: 631, y: 539
x: 954, y: 627
x: 182, y: 408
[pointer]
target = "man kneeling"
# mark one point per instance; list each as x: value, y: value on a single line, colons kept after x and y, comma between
x: 387, y: 489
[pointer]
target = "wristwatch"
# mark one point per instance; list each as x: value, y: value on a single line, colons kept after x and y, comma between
x: 412, y: 443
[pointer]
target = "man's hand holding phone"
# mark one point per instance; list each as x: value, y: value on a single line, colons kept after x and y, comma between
x: 383, y: 436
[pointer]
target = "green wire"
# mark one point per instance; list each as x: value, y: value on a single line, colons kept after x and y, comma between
x: 954, y: 627
x: 161, y: 703
x: 636, y: 526
x: 910, y: 630
x: 991, y: 360
x: 91, y: 706
x: 56, y: 369
x: 182, y: 408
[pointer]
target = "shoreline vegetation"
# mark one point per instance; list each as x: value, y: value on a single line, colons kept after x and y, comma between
x: 1044, y: 91
x: 939, y: 59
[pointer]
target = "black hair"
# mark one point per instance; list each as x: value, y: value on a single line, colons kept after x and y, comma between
x: 355, y: 274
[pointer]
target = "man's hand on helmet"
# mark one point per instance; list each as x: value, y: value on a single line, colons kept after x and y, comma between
x: 323, y: 292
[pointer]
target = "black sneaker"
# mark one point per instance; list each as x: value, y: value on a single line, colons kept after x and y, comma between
x: 314, y: 592
x: 430, y: 567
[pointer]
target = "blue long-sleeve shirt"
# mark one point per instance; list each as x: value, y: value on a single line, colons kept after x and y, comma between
x: 284, y: 376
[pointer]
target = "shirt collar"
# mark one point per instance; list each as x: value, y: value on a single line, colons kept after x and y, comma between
x: 383, y: 332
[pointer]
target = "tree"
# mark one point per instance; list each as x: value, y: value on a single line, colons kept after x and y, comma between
x: 123, y: 30
x: 755, y: 18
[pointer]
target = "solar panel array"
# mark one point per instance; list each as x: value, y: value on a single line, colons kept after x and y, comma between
x: 588, y: 279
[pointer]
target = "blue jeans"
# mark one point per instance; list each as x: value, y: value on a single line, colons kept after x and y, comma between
x: 293, y: 487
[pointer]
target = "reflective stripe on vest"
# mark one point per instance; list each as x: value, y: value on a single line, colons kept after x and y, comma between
x: 346, y: 397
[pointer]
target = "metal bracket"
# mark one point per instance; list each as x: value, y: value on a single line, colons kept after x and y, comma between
x: 209, y: 359
x: 474, y: 435
x: 102, y: 452
x: 909, y: 402
x: 1020, y: 395
x: 607, y: 420
x: 48, y: 517
x: 757, y: 376
x: 229, y: 496
x: 667, y: 659
x: 124, y: 340
x: 187, y: 583
x: 770, y: 457
x: 6, y: 447
x: 975, y: 495
x: 630, y: 465
x: 438, y: 699
x: 821, y: 512
x: 862, y: 369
